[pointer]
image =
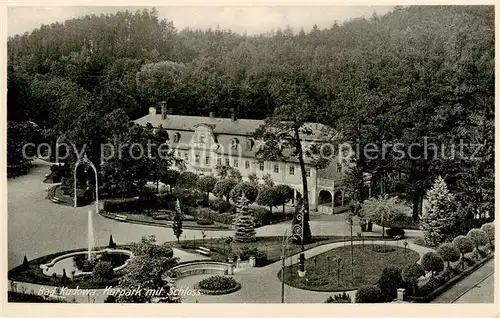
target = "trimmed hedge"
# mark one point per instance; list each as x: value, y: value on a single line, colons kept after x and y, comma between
x: 225, y: 218
x: 121, y: 205
x: 204, y: 222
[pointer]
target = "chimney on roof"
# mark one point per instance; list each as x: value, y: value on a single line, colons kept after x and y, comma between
x: 163, y: 109
x: 212, y: 114
x: 233, y: 116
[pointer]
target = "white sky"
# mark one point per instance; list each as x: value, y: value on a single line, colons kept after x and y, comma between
x: 254, y: 19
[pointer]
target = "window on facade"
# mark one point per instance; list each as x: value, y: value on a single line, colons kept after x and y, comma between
x: 308, y: 172
x: 261, y: 166
x: 235, y: 163
x: 186, y: 156
x: 292, y: 170
x: 207, y: 160
x: 339, y: 167
x: 197, y: 158
x: 276, y: 169
x: 202, y: 139
x: 247, y: 164
x: 219, y: 161
x: 227, y: 161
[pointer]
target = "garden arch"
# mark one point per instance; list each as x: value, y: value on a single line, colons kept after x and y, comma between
x: 86, y: 161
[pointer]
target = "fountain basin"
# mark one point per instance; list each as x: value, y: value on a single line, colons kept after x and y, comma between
x: 66, y: 261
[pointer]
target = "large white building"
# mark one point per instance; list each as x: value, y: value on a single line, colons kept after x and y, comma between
x: 204, y: 142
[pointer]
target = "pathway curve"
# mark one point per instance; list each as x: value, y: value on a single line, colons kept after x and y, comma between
x: 262, y: 285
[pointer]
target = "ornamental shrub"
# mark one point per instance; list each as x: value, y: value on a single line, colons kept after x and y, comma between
x: 411, y: 274
x: 395, y: 231
x: 478, y: 238
x: 339, y: 298
x: 262, y: 216
x: 251, y: 191
x: 489, y: 229
x: 432, y: 262
x: 260, y: 256
x: 449, y: 253
x: 221, y: 205
x: 187, y: 179
x: 389, y: 282
x: 464, y: 244
x: 103, y: 271
x: 217, y: 283
x: 369, y: 294
x: 188, y: 197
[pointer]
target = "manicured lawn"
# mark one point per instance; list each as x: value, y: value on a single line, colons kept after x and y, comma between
x: 369, y: 262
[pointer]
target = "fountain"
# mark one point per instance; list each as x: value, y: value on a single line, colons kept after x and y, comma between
x: 67, y: 262
x: 90, y: 236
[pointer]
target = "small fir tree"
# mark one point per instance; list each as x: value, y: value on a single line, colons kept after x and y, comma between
x: 25, y: 262
x: 111, y: 243
x: 177, y: 225
x: 244, y: 224
x: 440, y: 213
x: 64, y: 275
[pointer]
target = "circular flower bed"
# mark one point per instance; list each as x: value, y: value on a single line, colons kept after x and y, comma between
x: 218, y: 285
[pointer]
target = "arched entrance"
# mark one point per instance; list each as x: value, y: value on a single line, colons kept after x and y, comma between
x: 325, y: 197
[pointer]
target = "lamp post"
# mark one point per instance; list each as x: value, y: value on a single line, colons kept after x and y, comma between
x: 298, y: 231
x: 286, y: 239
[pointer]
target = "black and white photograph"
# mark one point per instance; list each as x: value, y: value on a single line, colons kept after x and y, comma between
x: 250, y: 154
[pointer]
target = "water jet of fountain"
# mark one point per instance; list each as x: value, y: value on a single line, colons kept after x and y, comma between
x: 90, y: 235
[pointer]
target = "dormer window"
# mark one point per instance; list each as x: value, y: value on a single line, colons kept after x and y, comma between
x: 177, y: 137
x: 251, y: 144
x: 234, y: 143
x: 202, y: 139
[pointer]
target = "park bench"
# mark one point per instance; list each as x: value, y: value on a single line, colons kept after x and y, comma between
x: 203, y: 250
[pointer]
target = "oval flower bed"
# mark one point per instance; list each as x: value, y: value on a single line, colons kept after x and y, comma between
x: 217, y: 285
x: 332, y: 270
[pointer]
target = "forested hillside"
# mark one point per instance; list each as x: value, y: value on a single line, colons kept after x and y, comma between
x: 414, y: 72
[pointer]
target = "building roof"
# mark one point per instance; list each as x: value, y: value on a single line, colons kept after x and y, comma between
x: 242, y: 127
